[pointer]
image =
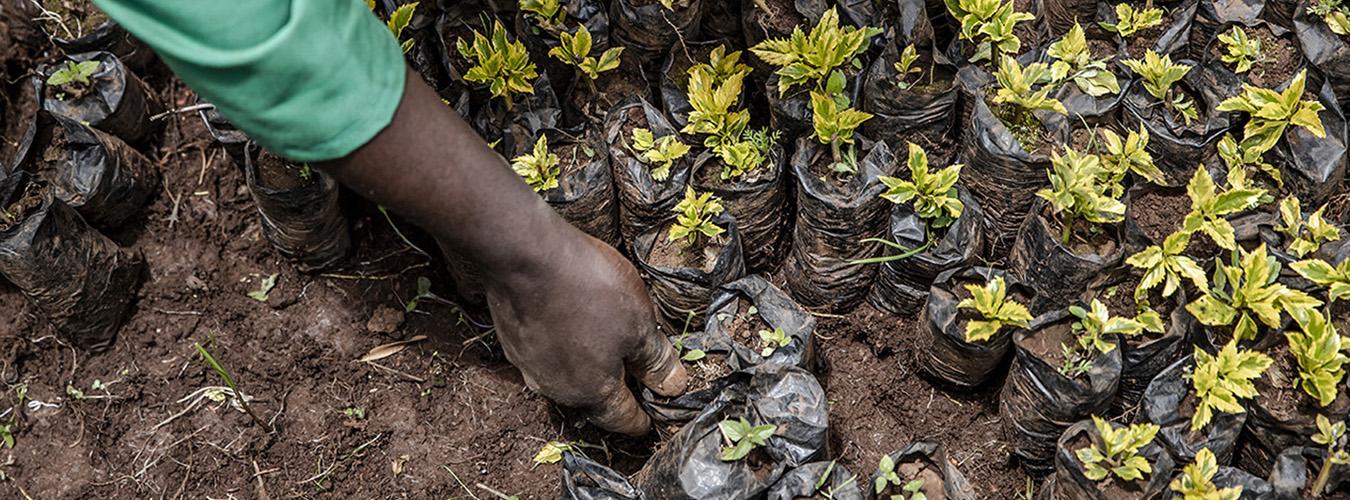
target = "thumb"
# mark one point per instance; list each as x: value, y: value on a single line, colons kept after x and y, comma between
x: 620, y: 412
x: 656, y: 364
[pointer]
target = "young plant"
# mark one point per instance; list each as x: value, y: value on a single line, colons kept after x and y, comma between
x: 1130, y: 21
x: 1336, y: 15
x: 1073, y: 61
x: 229, y: 382
x: 1074, y: 193
x: 1221, y: 380
x: 73, y: 73
x: 988, y: 23
x: 504, y: 66
x: 742, y: 438
x: 1167, y: 265
x: 712, y: 112
x: 1242, y: 50
x: 1210, y: 207
x: 1321, y: 364
x: 695, y: 218
x: 264, y: 288
x: 1091, y: 330
x: 1333, y: 437
x: 1196, y: 481
x: 992, y: 304
x: 398, y: 21
x: 576, y: 51
x: 1241, y: 160
x: 1272, y: 112
x: 1159, y: 74
x: 1118, y: 453
x: 887, y: 475
x: 835, y: 123
x: 1246, y: 292
x: 721, y: 66
x: 1335, y: 278
x: 813, y: 59
x: 1016, y: 84
x: 773, y: 340
x: 548, y: 14
x: 1305, y: 236
x: 6, y: 435
x: 661, y: 153
x: 1125, y: 156
x: 905, y: 67
x: 933, y: 194
x: 540, y: 169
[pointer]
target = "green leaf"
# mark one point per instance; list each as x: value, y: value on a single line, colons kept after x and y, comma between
x: 264, y: 288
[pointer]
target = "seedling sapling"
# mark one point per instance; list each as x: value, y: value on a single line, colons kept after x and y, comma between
x: 264, y: 288
x: 423, y: 292
x: 1167, y: 265
x: 1130, y: 21
x: 691, y: 354
x: 1334, y: 13
x: 1090, y: 331
x: 1333, y: 437
x: 1118, y: 455
x: 772, y: 341
x: 1129, y: 155
x: 741, y: 438
x: 354, y: 412
x: 1241, y: 160
x: 995, y: 308
x: 1336, y: 279
x: 830, y: 492
x: 575, y: 50
x: 229, y: 382
x: 933, y: 196
x: 1247, y: 291
x: 1241, y: 50
x: 694, y: 219
x: 905, y: 67
x: 816, y: 59
x: 835, y: 123
x: 661, y: 154
x: 989, y: 24
x: 1075, y: 193
x: 1210, y: 207
x: 1073, y: 61
x: 504, y: 66
x: 547, y: 14
x: 728, y: 135
x: 1159, y: 75
x: 888, y: 476
x: 1222, y: 380
x: 398, y: 21
x: 721, y: 65
x: 1305, y: 236
x: 73, y: 77
x: 1196, y: 481
x: 1021, y: 92
x: 540, y: 168
x: 1321, y: 364
x: 1272, y: 112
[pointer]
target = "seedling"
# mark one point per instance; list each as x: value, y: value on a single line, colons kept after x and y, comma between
x: 1130, y: 21
x: 1336, y: 15
x: 905, y: 67
x: 1125, y: 156
x: 1018, y: 97
x: 691, y: 354
x: 741, y: 438
x: 671, y: 5
x: 500, y: 63
x: 229, y: 382
x: 1210, y: 207
x: 1272, y: 112
x: 1118, y: 454
x: 1242, y: 51
x: 1091, y: 333
x: 1196, y: 481
x: 1335, y: 278
x: 988, y: 23
x: 1075, y: 194
x: 1240, y: 160
x: 423, y: 292
x: 552, y: 451
x: 1221, y: 380
x: 1246, y: 292
x: 825, y: 476
x: 1305, y: 236
x: 264, y: 288
x: 888, y: 476
x: 740, y: 149
x: 576, y: 51
x: 1167, y: 265
x: 398, y: 21
x: 933, y: 194
x: 1160, y: 74
x: 547, y: 14
x: 6, y: 436
x: 661, y: 153
x: 773, y: 340
x: 354, y: 412
x: 1333, y: 437
x: 73, y: 73
x: 540, y: 168
x: 721, y: 65
x: 1321, y: 364
x: 695, y: 218
x: 997, y: 310
x: 835, y: 123
x: 813, y: 59
x: 1073, y: 61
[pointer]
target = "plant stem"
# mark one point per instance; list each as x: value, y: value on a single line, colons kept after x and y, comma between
x: 763, y: 6
x: 1323, y: 476
x: 509, y: 105
x: 1066, y: 232
x: 834, y: 150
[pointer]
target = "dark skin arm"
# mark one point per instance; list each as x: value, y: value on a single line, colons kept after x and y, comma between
x: 570, y: 312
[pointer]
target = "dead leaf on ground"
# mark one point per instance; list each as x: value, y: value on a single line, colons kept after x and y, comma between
x: 390, y: 349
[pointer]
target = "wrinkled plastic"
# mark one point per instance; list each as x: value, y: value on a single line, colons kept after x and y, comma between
x: 644, y: 202
x: 1313, y: 168
x: 926, y: 109
x: 689, y: 467
x: 585, y: 196
x: 1212, y: 15
x: 1161, y: 404
x: 80, y: 280
x: 1072, y: 483
x: 1148, y: 354
x: 234, y: 141
x: 1266, y: 434
x: 758, y: 201
x: 680, y: 291
x: 117, y: 102
x: 801, y: 483
x: 107, y: 37
x: 1324, y: 49
x: 515, y: 130
x: 1058, y: 275
x: 1058, y: 16
x: 305, y: 223
x: 832, y: 222
x: 1295, y: 470
x: 649, y: 28
x: 722, y: 20
x: 584, y: 479
x: 944, y: 353
x: 1177, y: 147
x: 902, y: 286
x: 775, y: 308
x: 575, y: 13
x: 931, y: 455
x: 1037, y: 403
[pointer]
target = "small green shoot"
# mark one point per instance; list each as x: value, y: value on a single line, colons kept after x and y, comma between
x: 504, y: 66
x: 990, y: 25
x: 694, y: 219
x: 813, y: 59
x: 1210, y: 207
x: 229, y: 382
x: 1305, y: 236
x: 1160, y: 74
x: 905, y: 67
x: 773, y: 341
x: 741, y: 438
x: 933, y: 194
x: 1333, y: 437
x: 73, y: 72
x: 835, y: 123
x: 540, y: 168
x: 1130, y: 21
x: 1336, y: 15
x: 1196, y: 481
x: 887, y: 475
x: 264, y: 288
x: 1321, y: 364
x: 354, y: 413
x: 1073, y: 61
x: 1272, y: 112
x: 1221, y: 380
x: 1076, y: 194
x: 548, y: 14
x: 423, y: 292
x: 1128, y: 156
x: 660, y: 153
x: 995, y: 308
x: 1242, y: 51
x: 575, y: 50
x: 1092, y: 333
x: 1118, y: 453
x: 1247, y: 291
x: 1167, y: 265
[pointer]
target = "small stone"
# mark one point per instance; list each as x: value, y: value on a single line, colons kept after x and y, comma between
x: 385, y: 320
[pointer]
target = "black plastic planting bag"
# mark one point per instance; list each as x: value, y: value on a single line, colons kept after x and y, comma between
x: 929, y: 107
x: 575, y: 13
x: 1056, y: 17
x: 674, y: 83
x: 1176, y: 146
x: 689, y: 467
x: 1296, y: 470
x: 80, y: 280
x: 516, y: 129
x: 97, y: 174
x: 426, y: 56
x: 1169, y: 402
x: 775, y: 308
x: 1267, y: 434
x: 644, y: 202
x: 802, y: 482
x: 1313, y: 168
x: 1037, y: 403
x: 302, y: 221
x: 902, y: 285
x: 234, y: 141
x: 790, y: 112
x: 585, y: 197
x: 929, y: 455
x: 1213, y: 15
x: 1058, y: 275
x: 583, y: 479
x: 1142, y: 361
x: 1324, y: 49
x: 107, y: 37
x: 682, y: 290
x: 999, y: 172
x: 832, y: 222
x: 758, y: 201
x: 685, y: 407
x: 944, y: 352
x: 649, y: 28
x: 721, y: 20
x: 1072, y: 483
x: 116, y: 101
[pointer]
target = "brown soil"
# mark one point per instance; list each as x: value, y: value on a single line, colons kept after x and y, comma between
x: 78, y: 18
x: 1084, y: 140
x: 1025, y: 30
x: 1280, y: 57
x: 909, y: 471
x: 277, y: 173
x: 1111, y: 488
x: 781, y: 17
x: 70, y: 91
x: 55, y: 156
x: 761, y: 464
x: 1142, y: 41
x: 703, y: 372
x: 1159, y: 213
x: 1098, y: 241
x: 572, y: 157
x: 19, y: 103
x: 674, y: 254
x: 16, y: 212
x: 1045, y: 343
x: 744, y: 328
x: 821, y: 167
x: 681, y: 62
x: 386, y: 320
x: 612, y: 86
x: 1102, y: 49
x: 710, y: 174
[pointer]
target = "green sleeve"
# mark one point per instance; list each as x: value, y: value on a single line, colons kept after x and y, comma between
x: 310, y: 80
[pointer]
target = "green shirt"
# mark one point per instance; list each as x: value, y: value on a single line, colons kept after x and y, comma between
x: 310, y: 80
